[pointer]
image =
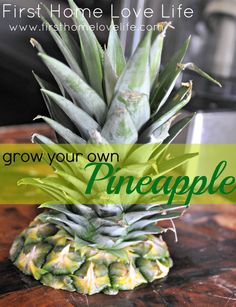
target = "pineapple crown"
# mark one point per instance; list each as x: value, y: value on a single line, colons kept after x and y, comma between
x: 98, y: 98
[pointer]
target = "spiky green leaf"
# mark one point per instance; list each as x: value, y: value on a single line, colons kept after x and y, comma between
x: 115, y: 51
x: 67, y: 38
x: 133, y: 87
x: 81, y: 119
x: 193, y: 67
x: 175, y: 104
x: 79, y: 90
x: 156, y: 51
x: 119, y: 128
x: 110, y: 78
x: 64, y: 50
x: 64, y: 132
x: 163, y: 87
x: 90, y: 49
x: 55, y: 112
x: 40, y: 49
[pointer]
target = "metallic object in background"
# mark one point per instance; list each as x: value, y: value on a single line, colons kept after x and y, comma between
x: 221, y: 18
x: 209, y: 128
x: 215, y: 37
x: 213, y: 128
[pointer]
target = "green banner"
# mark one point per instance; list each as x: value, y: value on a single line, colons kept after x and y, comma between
x: 111, y: 174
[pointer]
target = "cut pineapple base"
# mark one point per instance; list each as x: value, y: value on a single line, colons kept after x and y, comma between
x: 52, y: 256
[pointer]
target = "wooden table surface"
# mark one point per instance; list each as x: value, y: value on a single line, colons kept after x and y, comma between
x: 204, y: 272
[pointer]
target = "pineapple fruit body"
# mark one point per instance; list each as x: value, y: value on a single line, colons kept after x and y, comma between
x: 100, y: 98
x: 52, y: 256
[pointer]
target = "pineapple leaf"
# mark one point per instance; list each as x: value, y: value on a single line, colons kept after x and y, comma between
x: 161, y: 133
x: 58, y: 184
x: 90, y: 49
x: 133, y: 87
x: 147, y: 207
x: 155, y: 215
x: 72, y: 180
x: 83, y: 221
x: 176, y: 129
x: 40, y: 49
x: 193, y: 67
x: 64, y: 133
x: 96, y: 138
x: 146, y: 231
x: 133, y: 217
x: 41, y: 139
x: 172, y: 164
x: 61, y: 219
x: 158, y: 136
x: 167, y: 207
x: 55, y: 112
x: 79, y: 90
x: 64, y: 50
x: 84, y: 210
x: 81, y: 119
x: 156, y: 51
x: 115, y: 51
x: 179, y: 100
x: 46, y: 145
x: 110, y: 78
x: 140, y: 224
x: 37, y: 45
x: 123, y: 244
x: 55, y: 194
x: 119, y: 128
x: 67, y: 38
x: 175, y: 104
x: 103, y: 242
x: 163, y: 87
x: 114, y: 231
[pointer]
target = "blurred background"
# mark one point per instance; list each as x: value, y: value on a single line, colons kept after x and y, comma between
x: 213, y: 48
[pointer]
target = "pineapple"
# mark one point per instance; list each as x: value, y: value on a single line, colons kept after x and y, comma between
x: 100, y: 99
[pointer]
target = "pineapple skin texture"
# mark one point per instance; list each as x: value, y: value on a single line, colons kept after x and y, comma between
x: 52, y: 256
